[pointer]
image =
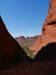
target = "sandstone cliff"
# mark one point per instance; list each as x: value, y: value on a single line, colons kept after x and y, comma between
x: 48, y: 29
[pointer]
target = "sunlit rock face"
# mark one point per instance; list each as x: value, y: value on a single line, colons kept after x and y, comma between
x: 48, y: 28
x: 37, y: 45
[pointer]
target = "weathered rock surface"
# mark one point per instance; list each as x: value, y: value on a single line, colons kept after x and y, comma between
x: 48, y: 29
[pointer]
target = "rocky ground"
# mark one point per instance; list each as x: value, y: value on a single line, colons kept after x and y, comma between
x: 39, y: 68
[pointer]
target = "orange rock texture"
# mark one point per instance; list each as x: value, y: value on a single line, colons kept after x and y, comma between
x: 48, y: 28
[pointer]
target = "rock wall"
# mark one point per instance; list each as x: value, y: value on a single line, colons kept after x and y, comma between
x: 48, y: 28
x: 10, y: 50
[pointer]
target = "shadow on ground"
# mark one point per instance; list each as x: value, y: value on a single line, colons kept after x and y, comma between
x: 43, y: 64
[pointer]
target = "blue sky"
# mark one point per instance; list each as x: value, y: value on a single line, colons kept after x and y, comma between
x: 24, y: 17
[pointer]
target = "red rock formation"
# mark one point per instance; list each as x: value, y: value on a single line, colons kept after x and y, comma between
x: 37, y: 45
x: 48, y: 29
x: 49, y: 26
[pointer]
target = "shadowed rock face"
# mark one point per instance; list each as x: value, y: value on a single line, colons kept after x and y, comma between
x: 52, y: 23
x: 10, y: 50
x: 47, y: 53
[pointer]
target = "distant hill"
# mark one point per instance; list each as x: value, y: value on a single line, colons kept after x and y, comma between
x: 26, y: 42
x: 20, y: 39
